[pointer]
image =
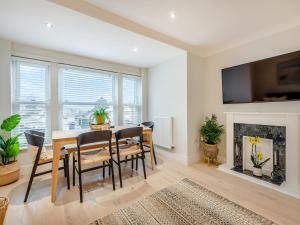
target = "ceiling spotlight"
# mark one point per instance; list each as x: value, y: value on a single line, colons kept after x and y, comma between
x: 135, y: 49
x: 49, y: 25
x: 172, y: 15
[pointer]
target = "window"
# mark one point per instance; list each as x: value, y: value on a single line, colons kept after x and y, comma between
x: 81, y: 92
x: 31, y: 97
x: 131, y: 99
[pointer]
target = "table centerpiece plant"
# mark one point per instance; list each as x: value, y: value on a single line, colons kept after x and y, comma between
x: 211, y: 132
x: 101, y: 115
x: 257, y: 157
x: 9, y: 150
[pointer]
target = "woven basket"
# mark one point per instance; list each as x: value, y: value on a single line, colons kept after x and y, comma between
x: 100, y: 126
x: 3, y: 208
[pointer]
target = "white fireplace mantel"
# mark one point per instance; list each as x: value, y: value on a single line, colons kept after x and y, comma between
x: 292, y: 123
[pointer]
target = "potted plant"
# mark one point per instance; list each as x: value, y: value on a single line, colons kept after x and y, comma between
x: 9, y: 150
x: 257, y: 157
x: 101, y: 115
x: 211, y: 132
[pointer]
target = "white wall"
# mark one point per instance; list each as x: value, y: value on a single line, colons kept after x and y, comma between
x: 5, y: 105
x: 277, y: 44
x: 167, y: 96
x: 195, y: 105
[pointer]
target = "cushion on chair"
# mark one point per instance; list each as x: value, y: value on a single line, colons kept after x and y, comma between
x: 129, y: 149
x: 93, y: 156
x: 46, y: 154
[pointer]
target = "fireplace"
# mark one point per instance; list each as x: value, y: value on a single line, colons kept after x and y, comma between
x: 272, y: 145
x: 280, y: 140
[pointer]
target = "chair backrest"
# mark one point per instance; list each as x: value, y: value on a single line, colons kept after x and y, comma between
x: 94, y: 137
x: 148, y: 124
x: 35, y: 132
x: 129, y: 133
x: 33, y: 138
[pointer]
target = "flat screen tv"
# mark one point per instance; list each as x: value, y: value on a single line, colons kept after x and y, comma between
x: 269, y: 80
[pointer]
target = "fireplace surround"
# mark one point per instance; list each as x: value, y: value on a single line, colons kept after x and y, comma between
x: 284, y: 130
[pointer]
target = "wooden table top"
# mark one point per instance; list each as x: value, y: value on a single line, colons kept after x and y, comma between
x: 71, y: 134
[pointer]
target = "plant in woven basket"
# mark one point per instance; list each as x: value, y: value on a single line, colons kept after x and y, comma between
x: 101, y: 115
x: 9, y: 145
x: 211, y: 132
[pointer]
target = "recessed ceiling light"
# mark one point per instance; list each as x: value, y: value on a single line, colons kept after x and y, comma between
x: 49, y: 25
x: 135, y: 49
x: 172, y: 15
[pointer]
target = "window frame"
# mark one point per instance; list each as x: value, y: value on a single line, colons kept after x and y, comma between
x: 61, y: 102
x: 53, y: 104
x: 139, y: 104
x: 15, y: 91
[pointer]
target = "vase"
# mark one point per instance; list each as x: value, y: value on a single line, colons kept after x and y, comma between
x: 9, y: 173
x: 100, y: 119
x: 257, y: 172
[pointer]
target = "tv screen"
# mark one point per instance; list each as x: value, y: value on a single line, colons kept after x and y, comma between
x: 268, y: 80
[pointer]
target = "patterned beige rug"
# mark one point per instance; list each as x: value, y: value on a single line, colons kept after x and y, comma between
x: 184, y: 203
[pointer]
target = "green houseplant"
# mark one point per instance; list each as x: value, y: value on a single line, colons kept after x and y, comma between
x: 9, y: 150
x: 101, y: 115
x: 211, y: 132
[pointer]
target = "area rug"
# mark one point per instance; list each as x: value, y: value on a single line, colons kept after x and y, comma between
x: 184, y: 203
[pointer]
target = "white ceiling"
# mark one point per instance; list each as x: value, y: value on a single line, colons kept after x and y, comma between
x: 25, y: 22
x: 209, y: 24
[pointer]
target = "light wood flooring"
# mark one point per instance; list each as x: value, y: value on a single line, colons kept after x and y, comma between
x: 100, y: 199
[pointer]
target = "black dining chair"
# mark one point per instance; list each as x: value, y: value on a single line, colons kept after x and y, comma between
x: 43, y: 156
x: 145, y: 141
x: 136, y: 151
x: 94, y: 156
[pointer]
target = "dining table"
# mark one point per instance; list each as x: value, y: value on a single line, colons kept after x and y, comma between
x: 60, y: 138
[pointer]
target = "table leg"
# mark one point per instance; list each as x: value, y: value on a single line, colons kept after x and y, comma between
x: 151, y: 149
x: 55, y: 165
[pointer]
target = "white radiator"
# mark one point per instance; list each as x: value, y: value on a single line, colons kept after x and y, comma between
x: 163, y: 132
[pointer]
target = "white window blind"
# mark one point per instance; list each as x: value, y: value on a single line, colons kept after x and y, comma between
x: 131, y: 100
x: 31, y: 97
x: 81, y: 92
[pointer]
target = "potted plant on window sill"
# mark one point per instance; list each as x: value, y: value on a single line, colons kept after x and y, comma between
x: 9, y: 150
x: 211, y: 132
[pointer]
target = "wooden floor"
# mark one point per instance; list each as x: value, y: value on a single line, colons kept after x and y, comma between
x: 100, y: 199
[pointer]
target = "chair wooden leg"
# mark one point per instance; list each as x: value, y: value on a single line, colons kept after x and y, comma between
x: 132, y: 162
x: 67, y: 171
x: 64, y: 164
x: 136, y: 162
x: 126, y: 159
x: 143, y: 160
x: 111, y: 167
x: 154, y: 154
x: 74, y: 171
x: 109, y: 171
x: 120, y: 173
x: 30, y: 181
x: 80, y: 187
x: 103, y: 169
